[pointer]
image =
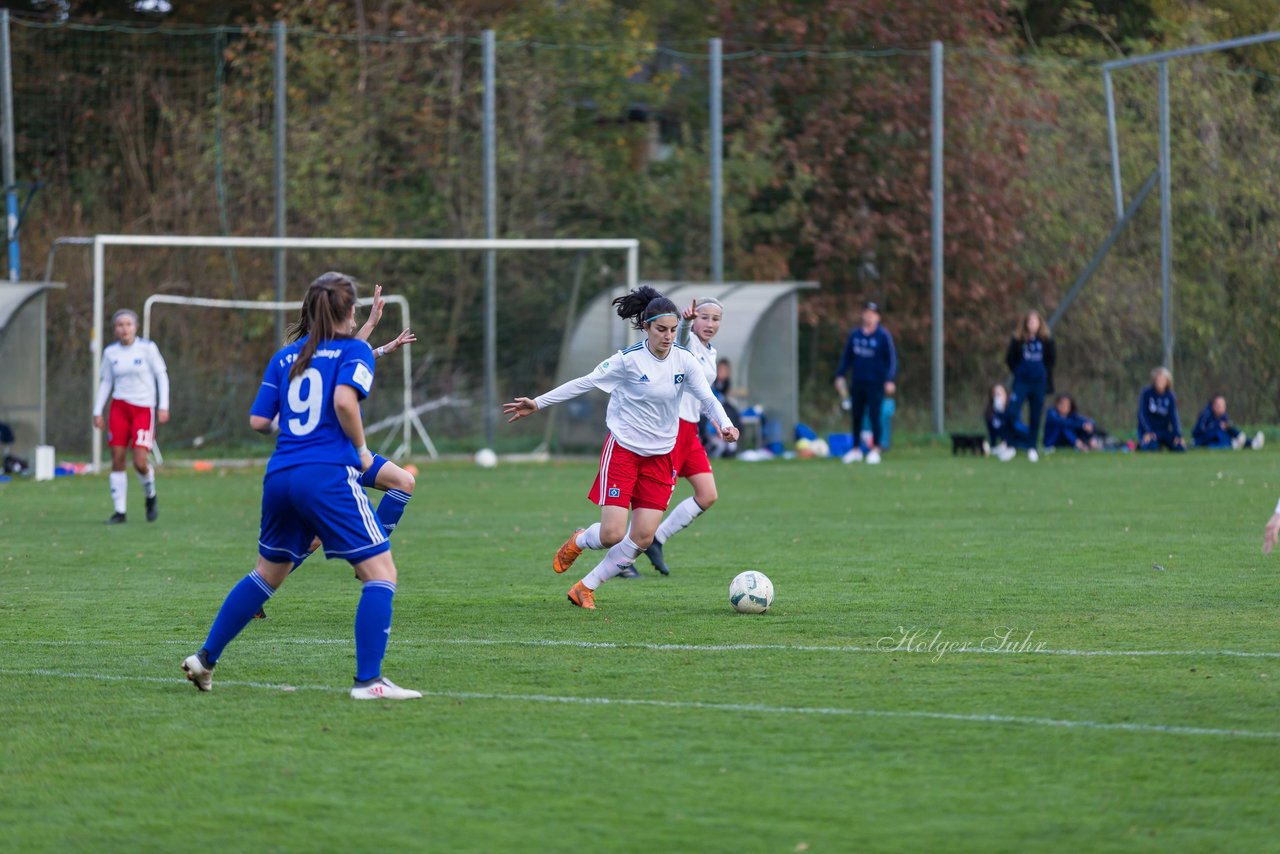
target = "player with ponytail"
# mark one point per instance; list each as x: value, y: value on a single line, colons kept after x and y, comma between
x: 313, y: 388
x: 646, y: 383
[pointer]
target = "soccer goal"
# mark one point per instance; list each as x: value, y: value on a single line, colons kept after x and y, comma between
x: 100, y: 243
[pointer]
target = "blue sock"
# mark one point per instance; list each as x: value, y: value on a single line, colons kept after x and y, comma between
x: 373, y: 626
x: 391, y: 508
x: 244, y: 600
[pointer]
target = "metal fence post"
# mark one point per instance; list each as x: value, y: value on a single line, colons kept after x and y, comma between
x: 939, y: 374
x: 716, y: 141
x: 490, y: 257
x: 1166, y: 226
x: 281, y: 115
x: 10, y: 180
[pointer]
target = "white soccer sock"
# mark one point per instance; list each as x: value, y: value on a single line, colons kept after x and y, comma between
x: 677, y: 520
x: 148, y: 482
x: 589, y: 538
x: 623, y: 554
x: 119, y: 481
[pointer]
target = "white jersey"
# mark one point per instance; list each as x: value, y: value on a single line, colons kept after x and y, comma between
x: 645, y: 395
x: 133, y: 374
x: 690, y: 409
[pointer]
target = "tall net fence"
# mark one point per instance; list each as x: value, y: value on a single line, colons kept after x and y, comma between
x: 826, y: 175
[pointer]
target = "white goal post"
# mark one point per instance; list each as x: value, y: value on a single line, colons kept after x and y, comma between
x: 101, y: 241
x: 408, y: 419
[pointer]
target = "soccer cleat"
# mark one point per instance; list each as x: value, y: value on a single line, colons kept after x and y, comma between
x: 117, y: 519
x: 200, y: 674
x: 854, y: 456
x: 1032, y: 456
x: 873, y: 457
x: 152, y: 512
x: 383, y: 688
x: 581, y: 595
x: 628, y: 571
x: 1259, y: 439
x: 654, y: 553
x: 261, y: 615
x: 568, y: 553
x: 1238, y: 441
x: 1004, y: 453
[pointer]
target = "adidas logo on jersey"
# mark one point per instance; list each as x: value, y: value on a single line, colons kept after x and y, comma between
x: 644, y: 378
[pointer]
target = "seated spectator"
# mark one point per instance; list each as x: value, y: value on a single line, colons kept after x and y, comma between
x: 715, y: 446
x: 1215, y: 430
x: 1158, y: 425
x: 1065, y: 427
x: 1004, y: 432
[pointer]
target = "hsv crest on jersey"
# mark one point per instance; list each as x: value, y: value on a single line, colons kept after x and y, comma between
x: 679, y: 378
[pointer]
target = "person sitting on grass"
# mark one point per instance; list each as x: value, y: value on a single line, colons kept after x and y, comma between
x: 1065, y: 427
x: 1215, y: 430
x: 1004, y: 431
x: 1158, y: 425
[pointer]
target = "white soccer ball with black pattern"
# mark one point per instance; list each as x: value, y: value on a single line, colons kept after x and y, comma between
x: 751, y: 592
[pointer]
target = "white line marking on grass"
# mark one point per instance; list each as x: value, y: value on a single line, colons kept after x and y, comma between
x: 803, y: 711
x: 670, y: 647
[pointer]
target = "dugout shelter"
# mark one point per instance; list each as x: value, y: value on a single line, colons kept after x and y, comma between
x: 759, y: 336
x: 22, y: 352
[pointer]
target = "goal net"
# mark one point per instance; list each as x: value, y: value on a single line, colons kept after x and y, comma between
x: 216, y: 357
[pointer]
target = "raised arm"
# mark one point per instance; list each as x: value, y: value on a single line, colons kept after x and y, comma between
x: 685, y: 329
x: 375, y: 315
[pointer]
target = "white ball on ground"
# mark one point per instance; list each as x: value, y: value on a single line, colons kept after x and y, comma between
x: 751, y: 592
x: 486, y: 458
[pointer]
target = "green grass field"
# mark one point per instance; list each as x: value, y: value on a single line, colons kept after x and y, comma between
x: 1148, y: 719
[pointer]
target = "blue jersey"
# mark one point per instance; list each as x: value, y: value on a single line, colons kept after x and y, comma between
x: 870, y: 355
x: 1158, y: 413
x: 309, y: 428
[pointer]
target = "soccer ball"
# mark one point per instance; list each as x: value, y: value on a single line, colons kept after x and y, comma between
x: 751, y: 592
x: 486, y: 458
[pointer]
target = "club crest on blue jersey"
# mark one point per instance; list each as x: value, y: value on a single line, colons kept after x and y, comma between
x: 679, y: 378
x: 614, y: 492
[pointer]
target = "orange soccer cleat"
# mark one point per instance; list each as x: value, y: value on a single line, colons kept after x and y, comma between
x: 581, y: 595
x: 568, y: 553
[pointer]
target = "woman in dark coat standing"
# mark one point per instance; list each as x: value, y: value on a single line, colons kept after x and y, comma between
x: 1031, y: 357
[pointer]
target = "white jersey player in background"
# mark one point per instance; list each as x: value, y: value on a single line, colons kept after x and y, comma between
x: 699, y: 323
x: 135, y: 379
x: 646, y: 384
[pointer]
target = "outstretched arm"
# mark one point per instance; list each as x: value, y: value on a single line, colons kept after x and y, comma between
x: 405, y: 337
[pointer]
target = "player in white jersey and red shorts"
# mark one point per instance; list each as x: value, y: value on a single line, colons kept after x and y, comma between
x: 699, y: 323
x: 646, y: 384
x: 134, y: 375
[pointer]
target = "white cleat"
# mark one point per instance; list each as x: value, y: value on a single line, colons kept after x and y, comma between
x: 1259, y: 439
x: 1032, y: 455
x: 200, y: 676
x: 873, y: 457
x: 1004, y: 453
x: 1239, y: 441
x: 854, y: 456
x: 383, y: 688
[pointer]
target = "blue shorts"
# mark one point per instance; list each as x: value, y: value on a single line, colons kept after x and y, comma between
x: 370, y: 476
x: 303, y: 502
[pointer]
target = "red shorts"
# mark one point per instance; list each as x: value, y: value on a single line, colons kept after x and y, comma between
x: 688, y: 456
x: 129, y: 425
x: 627, y: 479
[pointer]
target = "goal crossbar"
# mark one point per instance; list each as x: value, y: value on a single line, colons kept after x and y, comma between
x: 408, y: 419
x: 101, y: 241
